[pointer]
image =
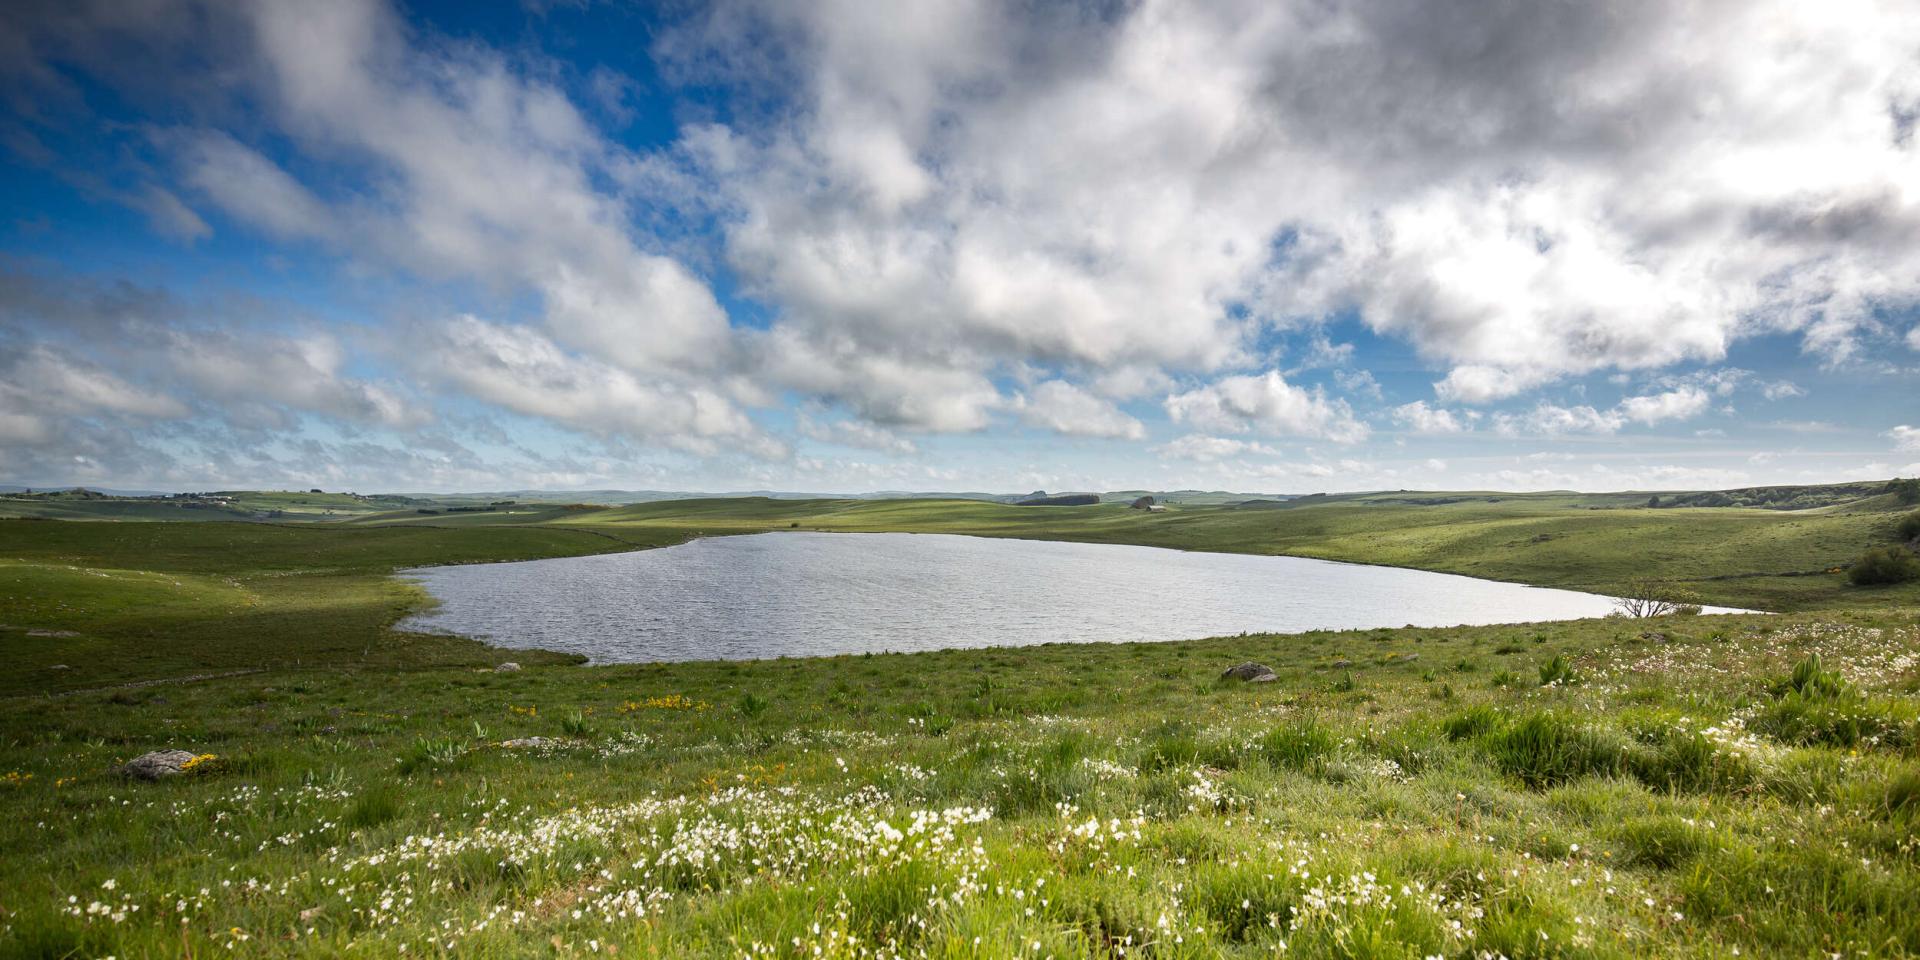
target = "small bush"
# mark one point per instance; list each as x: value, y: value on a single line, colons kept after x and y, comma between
x: 752, y: 706
x: 1903, y: 795
x: 1811, y: 678
x: 1558, y: 671
x: 1908, y: 529
x: 1300, y: 745
x: 373, y: 806
x: 1474, y: 723
x: 432, y: 753
x: 1546, y: 749
x: 1884, y: 566
x: 576, y: 725
x: 1659, y: 842
x: 1168, y: 747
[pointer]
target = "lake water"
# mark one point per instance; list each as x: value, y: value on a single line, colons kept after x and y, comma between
x: 819, y: 594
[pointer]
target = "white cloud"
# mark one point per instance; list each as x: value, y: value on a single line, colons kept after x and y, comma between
x: 1064, y: 408
x: 854, y: 433
x: 255, y: 372
x: 482, y: 172
x: 1547, y: 419
x: 1419, y: 418
x: 41, y: 386
x: 1913, y: 338
x: 1672, y: 405
x: 1468, y: 205
x: 1905, y: 437
x: 1266, y: 404
x: 524, y: 371
x: 1196, y: 446
x: 1782, y: 390
x: 1550, y: 420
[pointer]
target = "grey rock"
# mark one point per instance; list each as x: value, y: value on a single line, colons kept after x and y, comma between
x: 508, y: 667
x: 158, y: 764
x: 528, y: 743
x: 1342, y: 664
x: 1250, y: 672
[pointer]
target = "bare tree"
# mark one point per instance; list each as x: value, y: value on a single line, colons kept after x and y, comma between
x: 1646, y: 597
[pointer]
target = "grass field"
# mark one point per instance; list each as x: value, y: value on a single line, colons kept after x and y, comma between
x: 1686, y: 786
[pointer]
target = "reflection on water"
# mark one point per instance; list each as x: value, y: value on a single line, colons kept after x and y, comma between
x: 817, y: 594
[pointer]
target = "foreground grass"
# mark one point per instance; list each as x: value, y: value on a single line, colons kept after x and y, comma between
x: 1677, y: 789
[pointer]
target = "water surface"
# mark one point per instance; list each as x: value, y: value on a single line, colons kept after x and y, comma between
x: 818, y: 594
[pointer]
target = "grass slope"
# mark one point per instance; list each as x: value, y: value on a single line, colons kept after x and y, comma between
x: 1678, y: 790
x: 83, y: 604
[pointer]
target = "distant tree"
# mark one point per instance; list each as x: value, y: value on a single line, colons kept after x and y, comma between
x: 1908, y: 491
x: 1881, y: 566
x: 1908, y: 529
x: 1653, y: 501
x: 1646, y: 597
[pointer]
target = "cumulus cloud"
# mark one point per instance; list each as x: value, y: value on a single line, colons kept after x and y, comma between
x: 1547, y: 419
x: 1308, y: 159
x: 1782, y: 390
x: 1905, y: 437
x: 1064, y: 408
x: 485, y: 173
x: 1419, y: 418
x: 1680, y: 404
x: 41, y: 387
x: 524, y: 371
x: 853, y: 433
x: 261, y: 373
x: 1266, y: 404
x: 1195, y: 446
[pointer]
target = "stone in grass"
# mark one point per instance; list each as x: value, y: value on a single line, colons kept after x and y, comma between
x: 508, y: 667
x: 1250, y: 672
x: 529, y: 743
x: 158, y: 764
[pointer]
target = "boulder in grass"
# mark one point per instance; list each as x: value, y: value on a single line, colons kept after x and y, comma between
x: 1250, y: 672
x: 158, y: 764
x: 508, y: 667
x: 529, y: 743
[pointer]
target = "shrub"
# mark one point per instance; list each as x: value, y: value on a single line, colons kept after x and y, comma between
x: 577, y: 725
x: 1559, y: 670
x: 1170, y: 746
x: 1300, y: 745
x: 1908, y: 529
x: 1546, y: 749
x: 1660, y: 842
x: 1882, y: 566
x: 1472, y: 724
x: 1811, y: 678
x: 1687, y: 760
x: 1903, y: 794
x: 374, y: 805
x: 432, y: 753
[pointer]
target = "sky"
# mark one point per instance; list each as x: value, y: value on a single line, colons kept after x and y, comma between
x: 1278, y: 246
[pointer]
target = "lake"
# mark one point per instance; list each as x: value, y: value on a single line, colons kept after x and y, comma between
x: 805, y: 594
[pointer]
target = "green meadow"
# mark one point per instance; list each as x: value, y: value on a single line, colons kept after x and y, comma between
x: 1694, y: 786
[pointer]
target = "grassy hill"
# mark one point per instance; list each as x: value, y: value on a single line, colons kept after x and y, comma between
x: 1695, y: 787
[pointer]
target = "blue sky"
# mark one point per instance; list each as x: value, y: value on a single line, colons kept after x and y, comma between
x: 1277, y: 247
